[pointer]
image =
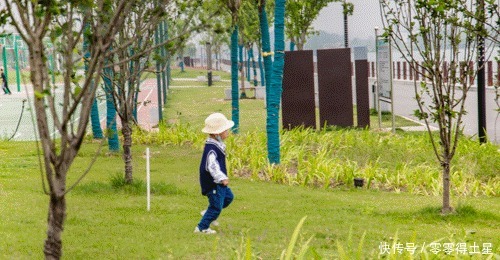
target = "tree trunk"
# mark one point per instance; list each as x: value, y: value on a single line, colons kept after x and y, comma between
x: 235, y: 112
x: 242, y: 72
x: 127, y: 151
x: 261, y: 70
x: 96, y: 124
x: 57, y: 215
x: 254, y: 65
x: 248, y: 64
x: 446, y: 188
x: 94, y: 115
x: 301, y: 40
x: 112, y: 134
x: 57, y: 179
x: 274, y: 98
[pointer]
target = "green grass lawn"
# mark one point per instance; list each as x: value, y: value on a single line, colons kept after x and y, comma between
x: 109, y: 221
x: 182, y: 83
x: 104, y: 222
x: 193, y: 105
x: 195, y: 72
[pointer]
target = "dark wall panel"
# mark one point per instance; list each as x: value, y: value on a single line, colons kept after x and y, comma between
x: 187, y: 61
x: 362, y: 94
x: 362, y: 88
x: 335, y: 87
x: 298, y: 90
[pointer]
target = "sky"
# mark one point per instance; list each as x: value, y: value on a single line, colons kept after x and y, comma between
x: 361, y: 24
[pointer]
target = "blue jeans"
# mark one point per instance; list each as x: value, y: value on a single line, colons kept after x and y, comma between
x: 218, y: 199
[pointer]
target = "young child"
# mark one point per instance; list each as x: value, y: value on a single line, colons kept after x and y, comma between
x: 213, y: 172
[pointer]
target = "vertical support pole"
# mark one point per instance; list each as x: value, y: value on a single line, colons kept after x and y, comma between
x: 158, y: 77
x: 4, y: 57
x: 167, y: 86
x: 392, y: 90
x: 346, y: 27
x: 16, y: 55
x: 481, y: 89
x: 376, y: 82
x: 163, y: 64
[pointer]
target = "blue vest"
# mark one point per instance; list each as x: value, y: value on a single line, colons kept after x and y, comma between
x: 206, y: 180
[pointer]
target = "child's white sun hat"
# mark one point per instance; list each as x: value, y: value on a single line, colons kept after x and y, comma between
x: 217, y: 123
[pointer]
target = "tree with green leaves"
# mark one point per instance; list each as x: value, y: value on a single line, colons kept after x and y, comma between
x: 249, y: 28
x: 485, y: 15
x: 69, y: 108
x: 136, y: 46
x: 300, y: 14
x: 233, y: 6
x: 94, y: 114
x: 220, y: 38
x: 127, y: 62
x: 216, y: 36
x: 429, y: 35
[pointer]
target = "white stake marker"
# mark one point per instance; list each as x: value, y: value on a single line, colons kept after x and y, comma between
x: 148, y: 180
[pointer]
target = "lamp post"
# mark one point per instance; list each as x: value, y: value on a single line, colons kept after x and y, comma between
x: 346, y: 33
x: 376, y: 81
x: 481, y: 90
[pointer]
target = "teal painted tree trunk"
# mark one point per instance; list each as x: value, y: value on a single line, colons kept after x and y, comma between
x: 261, y: 70
x: 113, y: 142
x: 235, y: 115
x: 274, y: 98
x: 254, y: 66
x: 292, y: 46
x: 249, y: 55
x: 271, y: 123
x: 96, y: 123
x: 94, y: 112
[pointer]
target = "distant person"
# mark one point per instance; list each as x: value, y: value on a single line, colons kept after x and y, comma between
x: 5, y: 85
x: 213, y: 172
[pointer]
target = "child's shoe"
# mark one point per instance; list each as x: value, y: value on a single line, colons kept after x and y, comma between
x: 206, y: 231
